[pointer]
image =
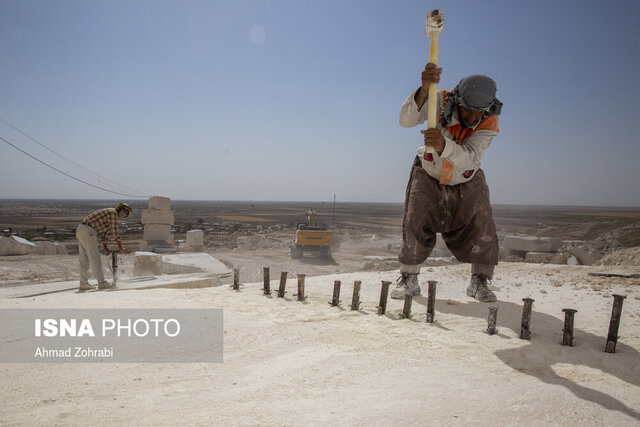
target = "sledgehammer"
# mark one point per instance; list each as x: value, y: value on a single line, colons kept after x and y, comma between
x: 434, y: 26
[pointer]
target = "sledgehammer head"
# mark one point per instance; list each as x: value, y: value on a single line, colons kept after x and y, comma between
x: 435, y: 22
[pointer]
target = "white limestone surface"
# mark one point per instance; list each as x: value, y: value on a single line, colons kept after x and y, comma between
x: 288, y: 362
x: 176, y: 281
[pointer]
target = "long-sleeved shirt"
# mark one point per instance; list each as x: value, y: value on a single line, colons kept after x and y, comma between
x: 104, y: 221
x: 463, y: 146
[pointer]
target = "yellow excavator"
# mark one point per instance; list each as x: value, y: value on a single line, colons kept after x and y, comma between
x: 311, y: 237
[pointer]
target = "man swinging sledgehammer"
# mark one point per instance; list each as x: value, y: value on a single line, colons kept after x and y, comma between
x: 447, y: 192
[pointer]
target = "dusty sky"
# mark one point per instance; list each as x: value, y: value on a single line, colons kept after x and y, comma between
x: 299, y: 100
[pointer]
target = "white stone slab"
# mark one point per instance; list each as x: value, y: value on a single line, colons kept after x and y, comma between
x: 146, y: 263
x: 161, y: 203
x: 15, y: 245
x: 200, y: 261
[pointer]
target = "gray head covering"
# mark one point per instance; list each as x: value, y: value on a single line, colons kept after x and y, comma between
x: 476, y: 93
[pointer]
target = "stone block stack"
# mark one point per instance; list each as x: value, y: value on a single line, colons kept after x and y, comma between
x: 157, y: 221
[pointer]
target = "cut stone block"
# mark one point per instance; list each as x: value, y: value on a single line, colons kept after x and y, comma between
x: 147, y: 263
x: 46, y: 248
x: 161, y: 203
x: 585, y: 255
x: 158, y: 233
x: 62, y: 249
x: 157, y: 216
x: 15, y: 245
x: 531, y: 244
x: 195, y: 239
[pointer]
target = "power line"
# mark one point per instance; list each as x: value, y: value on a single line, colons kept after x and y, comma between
x: 65, y: 158
x: 70, y: 176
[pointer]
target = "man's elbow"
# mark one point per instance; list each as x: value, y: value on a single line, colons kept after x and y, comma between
x: 406, y: 123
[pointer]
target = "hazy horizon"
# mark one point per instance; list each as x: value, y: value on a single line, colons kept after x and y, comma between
x: 325, y: 202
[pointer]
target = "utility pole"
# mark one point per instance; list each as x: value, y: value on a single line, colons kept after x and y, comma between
x: 334, y: 209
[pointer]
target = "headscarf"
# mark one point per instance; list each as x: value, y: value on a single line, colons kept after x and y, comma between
x: 476, y: 92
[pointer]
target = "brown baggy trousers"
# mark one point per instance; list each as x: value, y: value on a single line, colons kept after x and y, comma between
x: 461, y: 213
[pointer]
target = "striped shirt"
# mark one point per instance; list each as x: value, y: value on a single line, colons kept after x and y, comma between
x: 104, y: 221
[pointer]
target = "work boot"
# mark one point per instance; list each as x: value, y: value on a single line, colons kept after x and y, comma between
x: 478, y: 288
x: 105, y: 285
x: 407, y: 284
x: 85, y: 287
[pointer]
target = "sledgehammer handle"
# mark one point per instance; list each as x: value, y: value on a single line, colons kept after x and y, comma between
x: 432, y: 101
x: 434, y: 26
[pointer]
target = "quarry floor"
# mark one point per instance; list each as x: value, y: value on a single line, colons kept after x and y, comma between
x: 306, y: 363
